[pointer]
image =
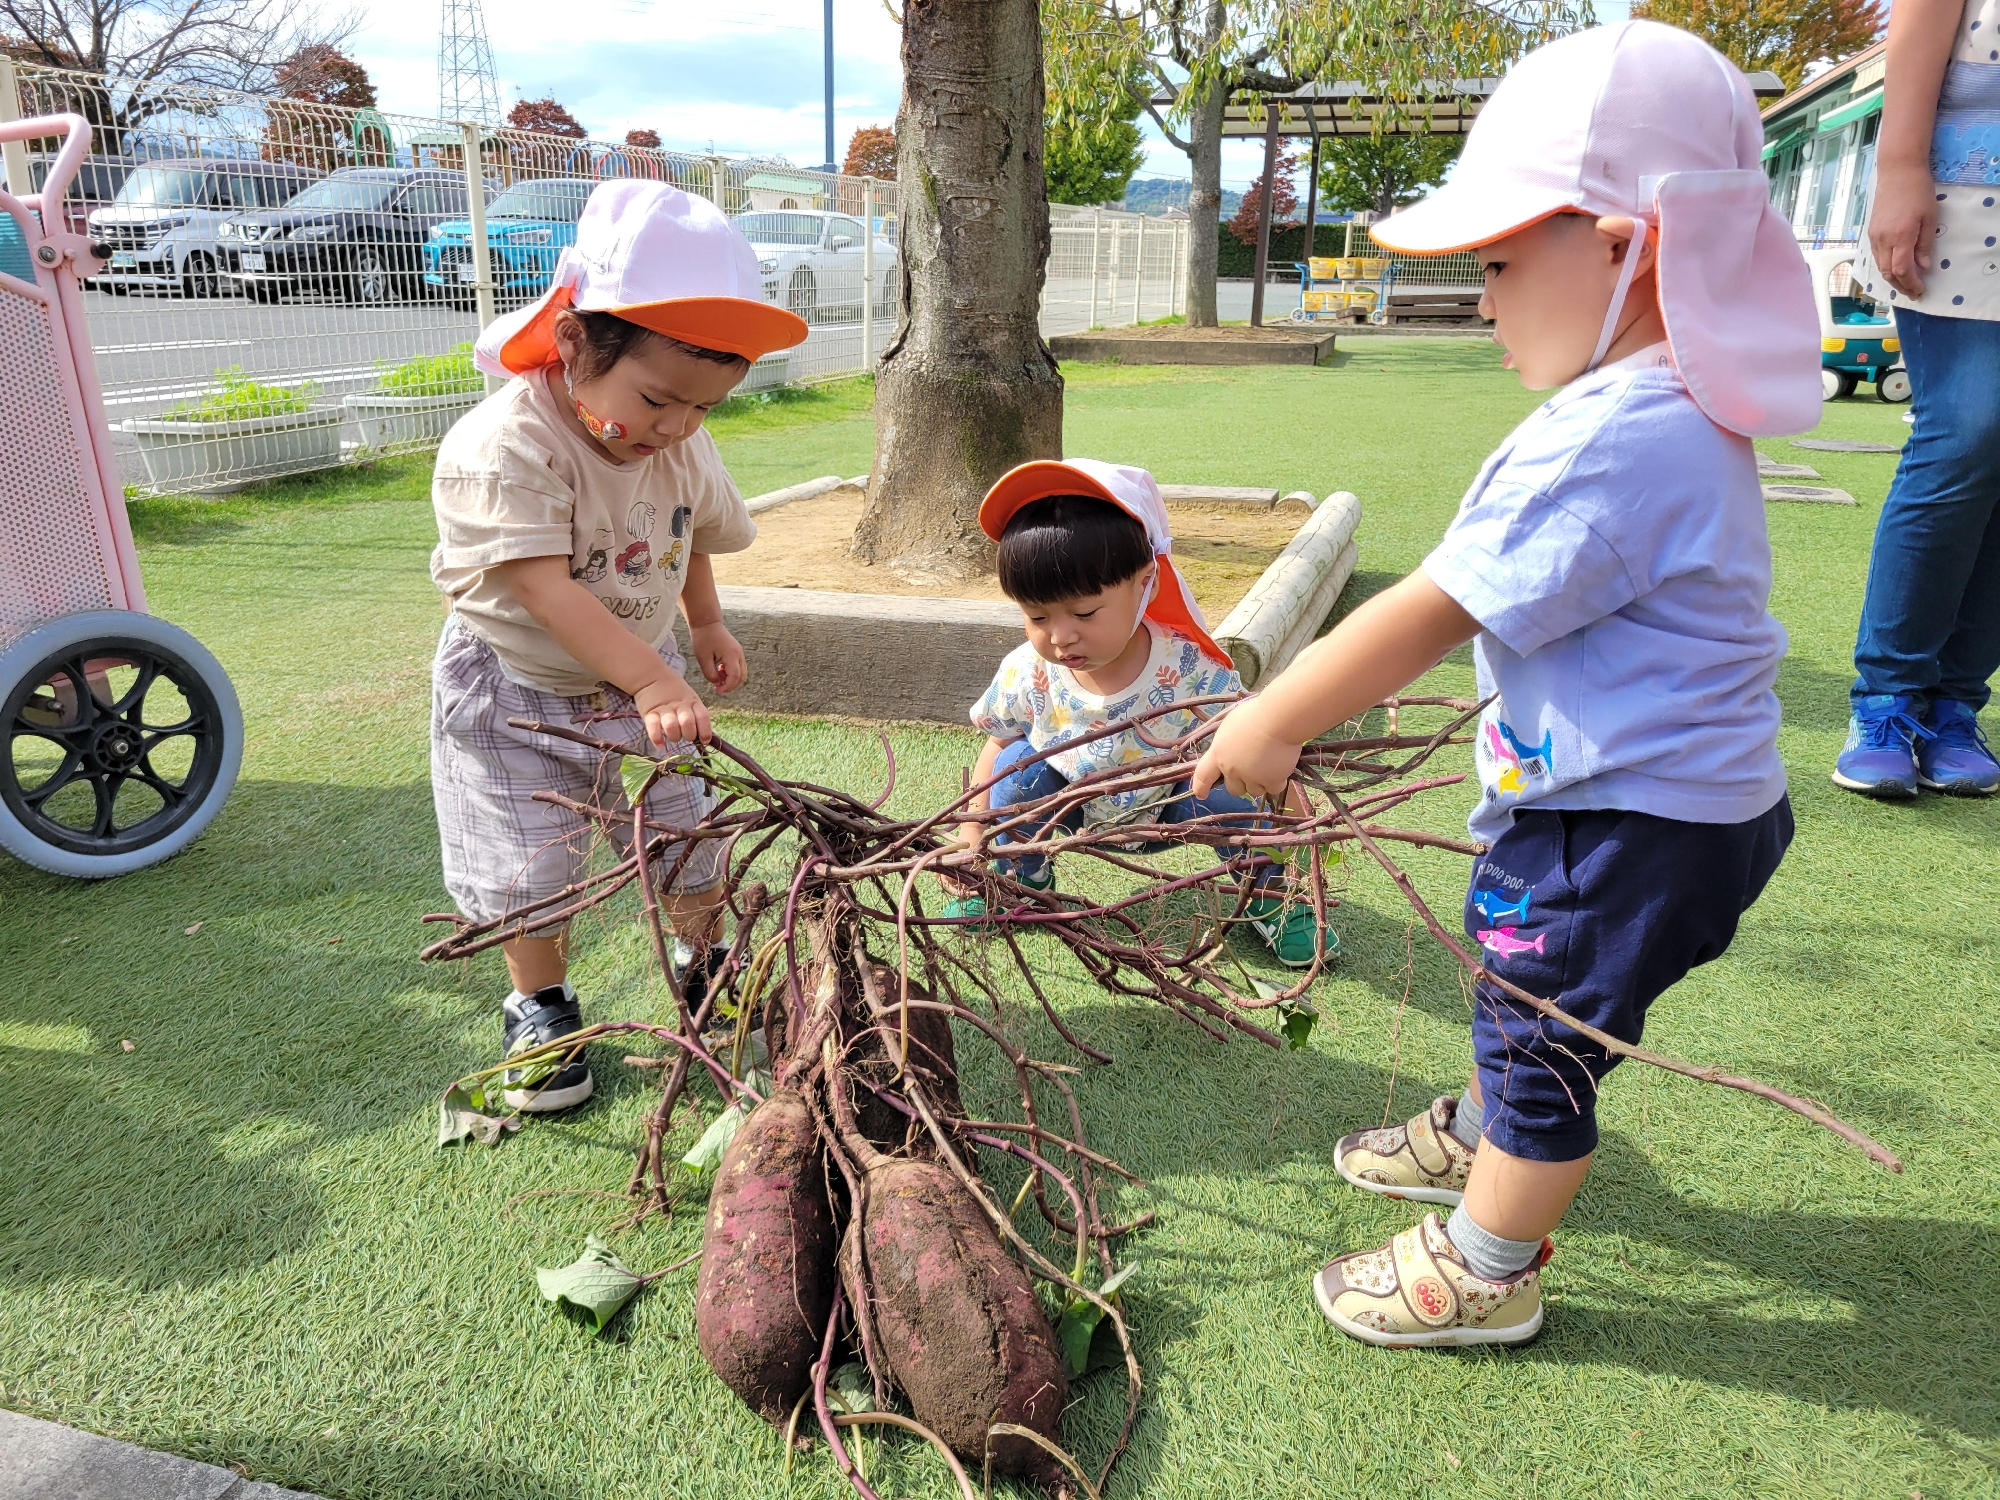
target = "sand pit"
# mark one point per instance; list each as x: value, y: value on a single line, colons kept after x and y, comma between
x: 1220, y: 551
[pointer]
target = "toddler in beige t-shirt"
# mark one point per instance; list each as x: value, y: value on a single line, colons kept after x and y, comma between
x: 577, y: 508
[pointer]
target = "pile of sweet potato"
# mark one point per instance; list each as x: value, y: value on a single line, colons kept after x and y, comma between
x: 830, y: 1186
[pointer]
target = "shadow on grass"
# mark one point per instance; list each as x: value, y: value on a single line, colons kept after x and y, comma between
x: 294, y: 1012
x: 1713, y: 1303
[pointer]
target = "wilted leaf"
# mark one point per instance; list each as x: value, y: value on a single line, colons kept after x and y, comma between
x: 850, y: 1390
x: 633, y: 771
x: 191, y: 931
x: 1087, y: 1338
x: 597, y: 1285
x: 706, y: 1154
x: 462, y: 1117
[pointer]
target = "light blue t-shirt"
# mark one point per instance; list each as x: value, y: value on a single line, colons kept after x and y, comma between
x: 1613, y: 550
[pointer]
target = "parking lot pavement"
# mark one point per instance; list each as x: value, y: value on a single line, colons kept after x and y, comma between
x: 154, y: 351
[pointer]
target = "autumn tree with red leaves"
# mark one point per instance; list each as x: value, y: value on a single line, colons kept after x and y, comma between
x: 871, y: 152
x: 1284, y: 201
x: 545, y: 117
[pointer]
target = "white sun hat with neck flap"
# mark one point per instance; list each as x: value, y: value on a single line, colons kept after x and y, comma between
x: 1646, y: 121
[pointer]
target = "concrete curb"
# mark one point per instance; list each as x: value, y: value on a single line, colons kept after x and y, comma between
x: 871, y: 656
x: 47, y: 1461
x: 1289, y: 350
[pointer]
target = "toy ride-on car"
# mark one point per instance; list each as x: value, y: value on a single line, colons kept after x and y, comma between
x: 1856, y: 341
x: 120, y: 736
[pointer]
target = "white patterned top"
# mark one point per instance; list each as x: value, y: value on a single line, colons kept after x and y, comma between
x: 1964, y: 277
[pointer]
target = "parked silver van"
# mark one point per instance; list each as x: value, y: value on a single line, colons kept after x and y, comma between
x: 161, y: 227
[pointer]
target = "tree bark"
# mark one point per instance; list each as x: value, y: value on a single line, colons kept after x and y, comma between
x: 966, y: 388
x: 1204, y: 206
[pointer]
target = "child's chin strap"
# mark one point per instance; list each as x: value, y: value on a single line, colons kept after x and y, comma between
x: 1625, y: 274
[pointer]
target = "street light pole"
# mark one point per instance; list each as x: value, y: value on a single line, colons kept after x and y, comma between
x: 831, y: 164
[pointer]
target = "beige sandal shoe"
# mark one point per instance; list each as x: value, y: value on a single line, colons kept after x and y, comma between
x: 1420, y: 1160
x: 1415, y: 1292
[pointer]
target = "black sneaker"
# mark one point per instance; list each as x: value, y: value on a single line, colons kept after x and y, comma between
x: 547, y: 1015
x: 692, y: 971
x: 693, y: 974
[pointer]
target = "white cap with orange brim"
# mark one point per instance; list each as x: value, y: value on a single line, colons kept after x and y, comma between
x: 1133, y: 491
x: 655, y: 256
x: 1646, y: 121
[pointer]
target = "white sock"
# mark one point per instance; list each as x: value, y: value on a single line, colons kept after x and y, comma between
x: 516, y: 997
x: 1485, y: 1253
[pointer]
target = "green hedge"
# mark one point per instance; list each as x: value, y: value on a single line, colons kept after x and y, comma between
x: 1288, y: 243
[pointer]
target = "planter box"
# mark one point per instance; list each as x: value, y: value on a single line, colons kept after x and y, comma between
x: 209, y: 457
x: 408, y: 421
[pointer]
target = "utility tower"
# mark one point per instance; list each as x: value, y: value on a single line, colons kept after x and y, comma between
x: 468, y: 88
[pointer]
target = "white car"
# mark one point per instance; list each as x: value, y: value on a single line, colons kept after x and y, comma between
x: 163, y: 226
x: 812, y: 262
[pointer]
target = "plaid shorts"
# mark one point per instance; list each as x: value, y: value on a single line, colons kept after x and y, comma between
x: 501, y: 848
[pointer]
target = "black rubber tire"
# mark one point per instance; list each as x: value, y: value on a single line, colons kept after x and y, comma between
x: 110, y: 745
x: 802, y: 294
x: 199, y: 275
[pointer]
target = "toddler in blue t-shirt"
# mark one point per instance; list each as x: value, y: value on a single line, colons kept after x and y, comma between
x: 1611, y: 568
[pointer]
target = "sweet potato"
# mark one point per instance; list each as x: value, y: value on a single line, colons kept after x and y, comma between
x: 958, y: 1324
x: 767, y: 1259
x: 933, y: 1060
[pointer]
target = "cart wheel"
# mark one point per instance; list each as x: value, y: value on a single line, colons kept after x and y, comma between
x: 1300, y: 315
x: 1894, y: 386
x: 122, y: 740
x: 1834, y: 384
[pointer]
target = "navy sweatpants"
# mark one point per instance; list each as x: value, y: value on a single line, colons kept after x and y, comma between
x: 1600, y: 911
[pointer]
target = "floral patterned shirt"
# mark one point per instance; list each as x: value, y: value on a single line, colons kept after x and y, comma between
x: 1043, y: 703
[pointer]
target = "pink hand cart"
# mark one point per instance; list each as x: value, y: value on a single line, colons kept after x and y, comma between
x: 121, y: 734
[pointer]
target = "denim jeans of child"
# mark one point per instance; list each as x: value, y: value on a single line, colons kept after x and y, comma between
x: 1930, y: 620
x: 1031, y: 783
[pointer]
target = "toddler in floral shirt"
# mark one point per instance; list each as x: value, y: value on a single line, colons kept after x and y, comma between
x: 1112, y: 629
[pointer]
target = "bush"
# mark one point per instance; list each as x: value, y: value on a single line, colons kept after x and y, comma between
x: 243, y: 397
x: 433, y: 375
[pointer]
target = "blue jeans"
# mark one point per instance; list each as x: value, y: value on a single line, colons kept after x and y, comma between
x: 1930, y: 620
x: 1032, y: 783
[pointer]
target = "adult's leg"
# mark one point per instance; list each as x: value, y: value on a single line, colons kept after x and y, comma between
x: 1930, y: 619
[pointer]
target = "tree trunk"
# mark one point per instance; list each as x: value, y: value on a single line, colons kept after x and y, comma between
x: 1204, y: 206
x: 966, y: 388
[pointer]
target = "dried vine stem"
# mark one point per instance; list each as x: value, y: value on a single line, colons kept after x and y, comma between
x: 853, y: 979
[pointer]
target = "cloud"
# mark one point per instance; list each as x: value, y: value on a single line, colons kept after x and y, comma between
x: 748, y: 80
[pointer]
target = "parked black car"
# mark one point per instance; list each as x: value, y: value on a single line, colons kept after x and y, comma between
x: 358, y: 233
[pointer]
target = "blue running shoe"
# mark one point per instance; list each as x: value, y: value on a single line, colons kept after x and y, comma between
x: 1880, y: 758
x: 1956, y: 759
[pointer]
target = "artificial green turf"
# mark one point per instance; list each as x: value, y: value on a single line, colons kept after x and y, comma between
x: 238, y: 1242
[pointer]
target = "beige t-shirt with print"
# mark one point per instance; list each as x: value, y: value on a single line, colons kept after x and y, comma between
x: 516, y: 479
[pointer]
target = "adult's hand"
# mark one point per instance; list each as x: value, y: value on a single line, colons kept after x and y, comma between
x: 1901, y: 226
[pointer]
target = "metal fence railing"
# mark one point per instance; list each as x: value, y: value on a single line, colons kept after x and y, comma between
x: 295, y: 285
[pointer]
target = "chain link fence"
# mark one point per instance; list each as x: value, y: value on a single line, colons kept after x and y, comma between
x: 295, y: 285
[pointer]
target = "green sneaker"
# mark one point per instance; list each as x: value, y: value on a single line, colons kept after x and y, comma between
x: 1287, y: 929
x: 975, y: 906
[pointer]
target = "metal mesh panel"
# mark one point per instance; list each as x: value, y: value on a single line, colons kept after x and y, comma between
x: 49, y: 559
x: 295, y: 285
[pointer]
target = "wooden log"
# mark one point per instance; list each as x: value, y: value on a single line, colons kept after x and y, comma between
x: 811, y: 489
x: 1302, y: 582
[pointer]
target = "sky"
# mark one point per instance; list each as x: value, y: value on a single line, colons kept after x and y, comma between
x: 740, y: 79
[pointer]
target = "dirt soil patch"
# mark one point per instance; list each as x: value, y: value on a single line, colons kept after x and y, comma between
x: 1219, y: 550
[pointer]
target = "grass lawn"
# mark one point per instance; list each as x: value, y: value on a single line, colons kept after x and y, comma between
x: 238, y: 1242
